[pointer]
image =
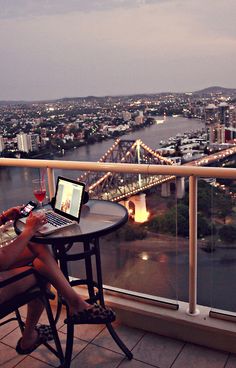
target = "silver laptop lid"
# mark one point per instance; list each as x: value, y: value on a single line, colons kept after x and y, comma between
x: 69, y: 198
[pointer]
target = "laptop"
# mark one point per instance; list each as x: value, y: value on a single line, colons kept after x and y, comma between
x: 66, y: 206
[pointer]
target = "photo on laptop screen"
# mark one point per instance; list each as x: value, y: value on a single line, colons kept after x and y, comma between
x: 69, y: 197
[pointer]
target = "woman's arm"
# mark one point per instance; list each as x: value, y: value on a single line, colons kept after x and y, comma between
x: 10, y: 253
x: 10, y: 214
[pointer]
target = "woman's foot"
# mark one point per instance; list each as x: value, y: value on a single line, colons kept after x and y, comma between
x: 77, y: 304
x: 26, y: 345
x: 95, y: 314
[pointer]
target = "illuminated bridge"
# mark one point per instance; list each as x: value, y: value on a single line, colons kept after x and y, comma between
x: 119, y: 186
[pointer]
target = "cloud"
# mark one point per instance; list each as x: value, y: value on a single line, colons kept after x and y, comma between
x: 115, y: 47
x: 28, y: 8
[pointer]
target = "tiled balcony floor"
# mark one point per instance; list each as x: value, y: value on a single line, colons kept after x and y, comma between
x: 93, y: 347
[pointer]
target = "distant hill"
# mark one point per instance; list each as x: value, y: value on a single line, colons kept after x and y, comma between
x: 202, y: 92
x: 12, y: 102
x: 216, y: 89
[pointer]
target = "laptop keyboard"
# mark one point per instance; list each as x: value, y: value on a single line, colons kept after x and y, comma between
x: 55, y: 220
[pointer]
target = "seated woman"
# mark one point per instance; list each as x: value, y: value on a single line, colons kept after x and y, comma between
x: 22, y: 254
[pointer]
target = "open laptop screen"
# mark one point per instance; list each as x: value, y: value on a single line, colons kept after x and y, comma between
x: 69, y: 198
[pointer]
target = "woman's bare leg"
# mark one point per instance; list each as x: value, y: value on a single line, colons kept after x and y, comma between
x: 30, y: 335
x: 34, y: 308
x: 46, y: 265
x: 17, y: 287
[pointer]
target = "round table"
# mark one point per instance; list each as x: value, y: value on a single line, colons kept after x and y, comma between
x: 98, y: 218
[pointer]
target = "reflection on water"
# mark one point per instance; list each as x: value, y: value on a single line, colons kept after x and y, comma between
x: 165, y: 273
x: 144, y: 256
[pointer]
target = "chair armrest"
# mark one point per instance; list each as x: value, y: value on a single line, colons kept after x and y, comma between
x: 17, y: 277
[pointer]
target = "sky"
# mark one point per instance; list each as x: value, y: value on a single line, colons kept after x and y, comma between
x: 66, y: 48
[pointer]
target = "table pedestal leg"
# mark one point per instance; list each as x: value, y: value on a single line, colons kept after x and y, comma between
x: 89, y: 271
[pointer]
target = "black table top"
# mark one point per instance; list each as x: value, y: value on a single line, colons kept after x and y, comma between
x: 98, y: 217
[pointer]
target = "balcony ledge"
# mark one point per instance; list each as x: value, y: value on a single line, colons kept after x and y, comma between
x: 200, y: 329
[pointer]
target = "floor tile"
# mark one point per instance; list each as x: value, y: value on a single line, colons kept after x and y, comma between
x: 30, y: 362
x: 8, y: 327
x: 199, y: 356
x: 44, y: 318
x: 96, y: 357
x: 129, y: 336
x: 85, y: 332
x: 133, y: 364
x: 157, y: 350
x: 231, y: 363
x: 12, y: 338
x: 45, y: 355
x: 9, y: 357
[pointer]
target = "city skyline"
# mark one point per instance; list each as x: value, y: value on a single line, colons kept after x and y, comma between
x: 78, y: 48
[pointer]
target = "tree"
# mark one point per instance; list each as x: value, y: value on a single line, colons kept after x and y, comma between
x: 227, y: 233
x: 176, y: 221
x: 133, y: 232
x: 224, y: 206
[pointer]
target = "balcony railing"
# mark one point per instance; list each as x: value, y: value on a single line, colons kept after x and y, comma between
x: 190, y: 172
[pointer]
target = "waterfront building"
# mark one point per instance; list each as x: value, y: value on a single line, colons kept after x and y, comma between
x: 34, y: 142
x: 140, y: 118
x: 211, y: 115
x: 2, y: 144
x: 232, y: 116
x: 23, y: 142
x: 220, y: 134
x: 27, y: 142
x: 223, y: 113
x: 126, y: 115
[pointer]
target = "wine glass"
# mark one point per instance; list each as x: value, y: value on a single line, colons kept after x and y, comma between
x: 39, y: 190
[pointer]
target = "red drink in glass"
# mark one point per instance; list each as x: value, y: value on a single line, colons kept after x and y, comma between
x: 40, y: 195
x: 39, y: 190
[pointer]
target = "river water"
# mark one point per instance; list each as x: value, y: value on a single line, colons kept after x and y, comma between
x: 142, y: 266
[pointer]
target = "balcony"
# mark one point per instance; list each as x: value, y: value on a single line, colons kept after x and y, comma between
x: 161, y: 332
x: 93, y: 347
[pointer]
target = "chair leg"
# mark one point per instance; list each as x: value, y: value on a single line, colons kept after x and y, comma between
x: 20, y: 322
x: 69, y: 344
x: 58, y: 351
x: 119, y: 342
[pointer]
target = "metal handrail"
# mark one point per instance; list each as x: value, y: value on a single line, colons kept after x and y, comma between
x: 193, y: 172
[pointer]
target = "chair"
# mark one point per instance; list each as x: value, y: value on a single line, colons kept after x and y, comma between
x: 38, y: 291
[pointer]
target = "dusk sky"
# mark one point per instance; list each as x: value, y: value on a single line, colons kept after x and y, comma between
x: 63, y: 48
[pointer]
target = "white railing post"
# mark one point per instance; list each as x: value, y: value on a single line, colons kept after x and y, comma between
x: 51, y: 182
x: 192, y: 310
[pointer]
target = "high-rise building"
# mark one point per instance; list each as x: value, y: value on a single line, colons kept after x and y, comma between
x: 27, y: 142
x: 2, y: 144
x: 140, y: 118
x: 23, y: 142
x: 211, y: 115
x: 223, y: 113
x: 34, y: 138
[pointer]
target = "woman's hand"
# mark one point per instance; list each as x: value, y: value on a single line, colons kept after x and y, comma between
x: 35, y: 221
x: 12, y: 213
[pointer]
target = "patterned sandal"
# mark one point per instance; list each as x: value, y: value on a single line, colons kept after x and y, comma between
x: 94, y: 315
x: 40, y: 340
x: 44, y: 331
